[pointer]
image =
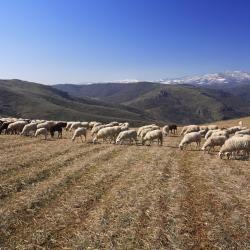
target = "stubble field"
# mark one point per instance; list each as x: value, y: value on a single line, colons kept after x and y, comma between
x: 57, y: 194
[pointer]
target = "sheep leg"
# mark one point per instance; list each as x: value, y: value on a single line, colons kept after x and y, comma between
x: 81, y: 138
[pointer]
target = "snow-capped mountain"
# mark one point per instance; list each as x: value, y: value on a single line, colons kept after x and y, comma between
x: 228, y: 77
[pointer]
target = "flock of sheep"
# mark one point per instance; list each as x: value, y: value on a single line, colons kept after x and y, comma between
x: 233, y: 141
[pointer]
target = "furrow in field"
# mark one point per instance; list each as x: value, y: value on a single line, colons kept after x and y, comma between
x: 17, y: 212
x: 41, y: 170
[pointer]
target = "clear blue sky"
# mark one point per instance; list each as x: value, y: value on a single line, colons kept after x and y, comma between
x: 58, y: 41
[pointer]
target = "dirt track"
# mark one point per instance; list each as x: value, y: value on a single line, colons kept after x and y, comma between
x: 63, y: 195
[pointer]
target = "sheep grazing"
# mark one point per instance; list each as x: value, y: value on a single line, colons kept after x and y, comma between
x: 153, y: 135
x: 243, y: 132
x: 57, y: 128
x: 143, y: 127
x: 130, y: 135
x: 41, y: 131
x: 234, y: 145
x: 68, y: 125
x: 212, y: 127
x: 28, y: 128
x: 94, y: 123
x: 79, y: 132
x: 190, y: 138
x: 16, y: 127
x: 235, y: 129
x: 190, y: 129
x: 147, y: 127
x: 4, y: 126
x: 124, y: 126
x: 47, y: 125
x: 107, y: 133
x: 213, y: 141
x: 165, y: 130
x: 173, y: 128
x: 75, y: 125
x: 85, y: 125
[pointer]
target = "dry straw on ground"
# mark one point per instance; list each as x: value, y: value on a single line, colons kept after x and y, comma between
x: 61, y: 195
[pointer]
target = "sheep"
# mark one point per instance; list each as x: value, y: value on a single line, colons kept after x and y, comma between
x: 124, y: 126
x: 79, y: 132
x: 210, y: 132
x: 152, y: 127
x: 213, y: 141
x: 234, y: 145
x: 165, y: 130
x: 94, y: 123
x: 47, y: 125
x: 204, y: 128
x: 85, y: 124
x: 243, y: 132
x: 127, y: 135
x: 173, y: 128
x: 144, y: 127
x: 57, y: 128
x: 109, y: 132
x: 31, y: 127
x: 146, y: 130
x: 16, y: 127
x: 234, y: 129
x: 189, y: 138
x: 42, y: 131
x: 212, y: 127
x: 152, y: 135
x: 192, y: 128
x: 189, y: 129
x: 75, y: 125
x: 68, y: 125
x: 5, y: 126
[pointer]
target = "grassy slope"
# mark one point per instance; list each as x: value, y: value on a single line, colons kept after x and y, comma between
x: 120, y: 197
x: 171, y: 103
x: 32, y: 100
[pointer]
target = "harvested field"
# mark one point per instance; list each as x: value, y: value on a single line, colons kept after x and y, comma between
x: 57, y: 194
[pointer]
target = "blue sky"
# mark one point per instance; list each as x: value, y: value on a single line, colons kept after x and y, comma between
x: 58, y: 41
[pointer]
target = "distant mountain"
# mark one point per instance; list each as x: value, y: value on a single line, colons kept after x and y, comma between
x: 217, y: 79
x: 180, y: 103
x: 32, y: 100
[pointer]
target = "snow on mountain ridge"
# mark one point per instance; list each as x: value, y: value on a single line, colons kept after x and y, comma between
x: 214, y: 78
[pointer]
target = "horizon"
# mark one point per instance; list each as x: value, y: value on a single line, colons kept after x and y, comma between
x: 92, y: 41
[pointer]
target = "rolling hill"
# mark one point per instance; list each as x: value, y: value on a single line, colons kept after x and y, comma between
x: 180, y: 103
x: 31, y: 100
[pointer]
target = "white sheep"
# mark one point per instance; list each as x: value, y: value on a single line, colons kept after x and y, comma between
x: 42, y: 131
x: 213, y: 141
x: 192, y: 128
x: 140, y: 129
x: 189, y: 129
x: 79, y: 132
x: 107, y: 133
x: 16, y: 127
x: 153, y: 135
x: 30, y: 127
x: 146, y: 130
x: 212, y: 127
x: 189, y: 138
x: 234, y: 145
x: 75, y: 125
x: 130, y: 135
x: 124, y: 126
x: 243, y: 132
x: 165, y: 130
x: 234, y: 129
x: 47, y: 125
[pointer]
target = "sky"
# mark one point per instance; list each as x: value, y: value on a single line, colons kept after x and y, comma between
x: 77, y: 41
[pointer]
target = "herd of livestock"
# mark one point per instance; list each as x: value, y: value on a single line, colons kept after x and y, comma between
x: 233, y: 141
